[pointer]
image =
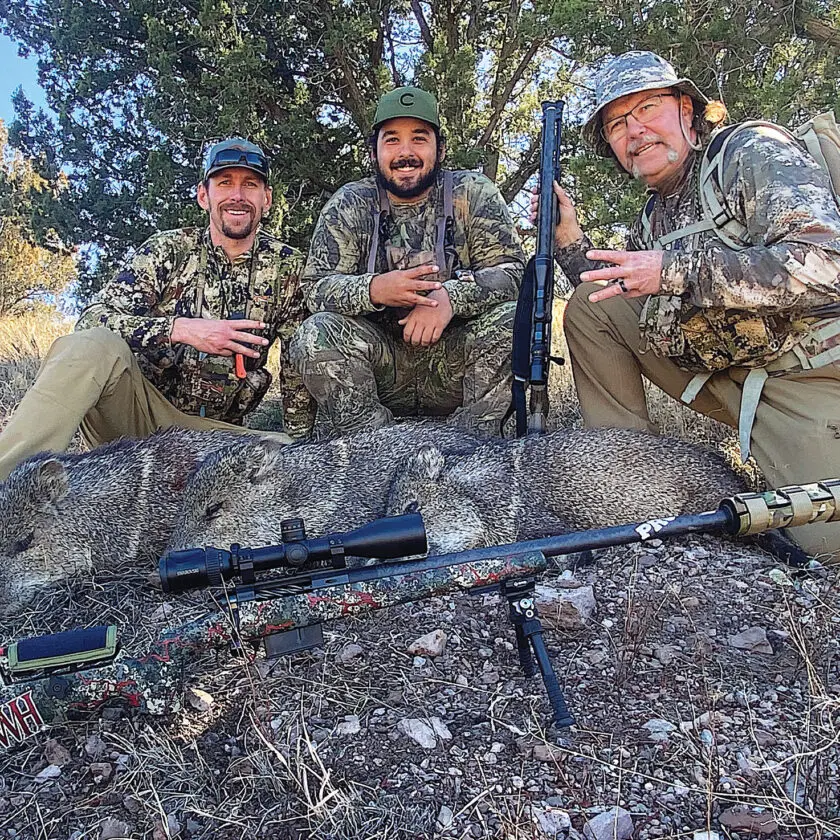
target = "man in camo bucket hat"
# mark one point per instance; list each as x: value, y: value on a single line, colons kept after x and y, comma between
x: 180, y: 335
x: 727, y: 293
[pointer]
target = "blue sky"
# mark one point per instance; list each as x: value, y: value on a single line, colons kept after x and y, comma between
x: 14, y: 72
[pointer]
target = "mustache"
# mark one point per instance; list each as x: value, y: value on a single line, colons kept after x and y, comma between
x: 634, y: 145
x: 235, y: 205
x: 407, y: 161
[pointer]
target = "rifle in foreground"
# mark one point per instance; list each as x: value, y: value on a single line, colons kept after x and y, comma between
x: 49, y: 678
x: 531, y: 352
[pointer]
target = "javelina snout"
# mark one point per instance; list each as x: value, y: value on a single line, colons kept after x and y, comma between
x: 37, y: 543
x: 551, y: 484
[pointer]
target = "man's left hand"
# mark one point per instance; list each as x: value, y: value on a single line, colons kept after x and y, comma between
x: 424, y: 325
x: 632, y: 274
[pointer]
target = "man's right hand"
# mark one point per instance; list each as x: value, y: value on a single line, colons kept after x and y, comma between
x: 568, y: 230
x: 399, y: 288
x: 218, y: 338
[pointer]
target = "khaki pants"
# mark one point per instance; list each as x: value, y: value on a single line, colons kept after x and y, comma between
x: 91, y: 380
x: 796, y: 434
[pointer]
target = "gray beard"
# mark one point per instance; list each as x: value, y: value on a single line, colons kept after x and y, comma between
x: 673, y: 156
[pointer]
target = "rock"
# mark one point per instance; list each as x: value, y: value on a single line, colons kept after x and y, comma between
x: 548, y: 753
x: 764, y: 738
x: 552, y: 822
x: 615, y: 824
x: 659, y: 729
x: 111, y: 829
x: 349, y: 726
x: 665, y: 654
x: 350, y: 652
x: 743, y: 818
x: 419, y: 732
x: 445, y: 818
x: 754, y: 640
x: 171, y: 829
x: 132, y: 805
x: 705, y: 835
x: 94, y: 746
x: 566, y: 609
x: 441, y: 729
x: 55, y: 753
x: 164, y: 612
x: 50, y: 772
x: 200, y: 700
x: 101, y: 771
x: 432, y: 644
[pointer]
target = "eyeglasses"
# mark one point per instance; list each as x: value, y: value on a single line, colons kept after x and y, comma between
x: 230, y: 157
x: 645, y: 112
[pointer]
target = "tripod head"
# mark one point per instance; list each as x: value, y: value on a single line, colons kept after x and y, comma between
x: 383, y: 539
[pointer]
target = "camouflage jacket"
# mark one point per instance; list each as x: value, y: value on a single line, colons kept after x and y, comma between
x: 720, y: 307
x: 162, y: 281
x: 483, y: 248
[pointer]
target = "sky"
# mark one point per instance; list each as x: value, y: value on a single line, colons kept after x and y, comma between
x: 14, y: 72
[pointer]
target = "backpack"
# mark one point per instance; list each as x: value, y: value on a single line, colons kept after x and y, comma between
x: 819, y: 137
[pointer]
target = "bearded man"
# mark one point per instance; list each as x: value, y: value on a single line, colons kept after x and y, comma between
x: 412, y: 275
x: 735, y: 312
x: 180, y: 336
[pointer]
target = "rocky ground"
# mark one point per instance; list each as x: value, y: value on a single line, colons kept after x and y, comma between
x: 705, y: 680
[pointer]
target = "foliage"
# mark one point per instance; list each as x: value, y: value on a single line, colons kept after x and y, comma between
x: 140, y: 86
x: 28, y: 271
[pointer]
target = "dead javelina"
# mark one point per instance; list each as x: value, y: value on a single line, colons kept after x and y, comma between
x: 241, y: 495
x: 567, y: 480
x: 63, y: 513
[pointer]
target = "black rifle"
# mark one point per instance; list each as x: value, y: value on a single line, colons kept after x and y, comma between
x: 45, y: 679
x: 531, y: 353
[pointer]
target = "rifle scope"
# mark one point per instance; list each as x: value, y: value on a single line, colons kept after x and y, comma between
x: 383, y: 539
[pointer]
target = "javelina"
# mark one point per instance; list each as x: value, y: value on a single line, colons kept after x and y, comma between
x: 567, y: 480
x: 76, y: 512
x: 242, y: 494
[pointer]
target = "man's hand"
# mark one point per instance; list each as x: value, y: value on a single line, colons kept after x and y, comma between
x: 399, y: 288
x: 219, y: 338
x: 568, y: 230
x: 424, y: 326
x: 632, y: 274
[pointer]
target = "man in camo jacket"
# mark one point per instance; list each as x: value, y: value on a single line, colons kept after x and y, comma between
x: 180, y: 336
x: 746, y: 331
x: 413, y: 276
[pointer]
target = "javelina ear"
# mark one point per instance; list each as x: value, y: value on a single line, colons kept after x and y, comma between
x: 427, y: 463
x: 51, y: 484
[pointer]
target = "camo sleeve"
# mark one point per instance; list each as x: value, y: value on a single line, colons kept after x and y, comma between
x: 497, y: 260
x: 785, y: 201
x: 573, y: 260
x: 126, y: 303
x: 331, y: 280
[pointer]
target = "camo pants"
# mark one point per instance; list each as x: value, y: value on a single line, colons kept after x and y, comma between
x: 91, y: 381
x: 796, y: 434
x: 361, y: 375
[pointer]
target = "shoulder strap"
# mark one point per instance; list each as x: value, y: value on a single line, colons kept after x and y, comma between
x: 379, y: 213
x: 201, y: 280
x: 444, y: 220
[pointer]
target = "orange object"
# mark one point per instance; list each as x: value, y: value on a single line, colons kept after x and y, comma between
x: 240, y: 366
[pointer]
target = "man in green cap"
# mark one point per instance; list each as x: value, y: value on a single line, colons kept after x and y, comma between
x: 412, y: 275
x: 727, y: 295
x: 180, y: 336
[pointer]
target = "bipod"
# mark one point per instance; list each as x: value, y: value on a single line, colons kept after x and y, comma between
x: 530, y: 643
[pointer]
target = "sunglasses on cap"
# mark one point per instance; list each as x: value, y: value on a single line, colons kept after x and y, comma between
x: 232, y: 157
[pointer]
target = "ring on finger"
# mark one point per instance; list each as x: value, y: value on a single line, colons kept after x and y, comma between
x: 622, y: 285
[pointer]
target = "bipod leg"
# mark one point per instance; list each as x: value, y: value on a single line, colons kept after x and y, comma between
x: 529, y: 637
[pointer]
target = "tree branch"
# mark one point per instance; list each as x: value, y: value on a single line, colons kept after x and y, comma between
x: 425, y: 32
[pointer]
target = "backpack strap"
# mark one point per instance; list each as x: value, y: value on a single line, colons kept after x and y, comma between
x: 379, y: 213
x: 444, y: 220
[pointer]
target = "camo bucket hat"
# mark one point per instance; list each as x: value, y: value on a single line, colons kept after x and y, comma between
x: 631, y: 72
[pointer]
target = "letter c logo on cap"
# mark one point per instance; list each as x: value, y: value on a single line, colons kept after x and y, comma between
x: 407, y: 99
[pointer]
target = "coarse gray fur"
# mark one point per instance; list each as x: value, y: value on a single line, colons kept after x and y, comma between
x: 241, y: 495
x: 67, y: 513
x: 566, y: 480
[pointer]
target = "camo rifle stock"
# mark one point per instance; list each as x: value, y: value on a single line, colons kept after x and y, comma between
x: 50, y: 678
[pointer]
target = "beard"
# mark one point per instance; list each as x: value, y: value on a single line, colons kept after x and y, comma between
x: 672, y: 155
x: 242, y: 232
x: 393, y: 187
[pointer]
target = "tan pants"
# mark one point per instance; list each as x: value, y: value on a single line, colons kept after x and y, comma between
x: 796, y: 434
x: 91, y: 380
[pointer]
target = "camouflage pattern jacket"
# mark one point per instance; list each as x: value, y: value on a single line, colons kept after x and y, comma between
x: 482, y: 247
x: 720, y: 307
x: 165, y: 279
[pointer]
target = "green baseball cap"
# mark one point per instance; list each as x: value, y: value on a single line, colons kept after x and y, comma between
x: 407, y: 102
x: 235, y: 151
